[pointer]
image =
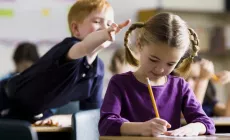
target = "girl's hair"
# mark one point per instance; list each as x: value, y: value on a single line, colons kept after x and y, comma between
x: 83, y: 8
x: 119, y: 55
x: 165, y: 28
x: 25, y: 51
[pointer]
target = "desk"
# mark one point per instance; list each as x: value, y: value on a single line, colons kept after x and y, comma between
x: 215, y: 137
x: 56, y: 133
x: 221, y: 121
x: 52, y: 129
x: 222, y: 124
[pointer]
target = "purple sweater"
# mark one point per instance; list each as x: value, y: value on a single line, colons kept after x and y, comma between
x: 127, y: 99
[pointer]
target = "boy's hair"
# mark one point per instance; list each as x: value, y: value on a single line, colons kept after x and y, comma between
x: 119, y: 55
x: 165, y: 28
x: 25, y: 51
x: 82, y: 8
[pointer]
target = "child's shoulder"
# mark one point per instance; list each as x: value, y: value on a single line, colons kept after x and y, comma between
x: 122, y: 77
x: 69, y: 40
x: 176, y: 79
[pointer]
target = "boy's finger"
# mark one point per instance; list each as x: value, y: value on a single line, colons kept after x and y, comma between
x: 37, y: 122
x: 122, y: 25
x: 113, y: 27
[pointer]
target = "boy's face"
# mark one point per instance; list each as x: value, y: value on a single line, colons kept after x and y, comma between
x: 158, y: 60
x: 97, y: 20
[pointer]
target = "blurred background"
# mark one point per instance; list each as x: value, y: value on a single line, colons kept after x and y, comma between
x: 44, y: 23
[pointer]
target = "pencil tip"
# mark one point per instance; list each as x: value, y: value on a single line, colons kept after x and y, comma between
x: 147, y: 79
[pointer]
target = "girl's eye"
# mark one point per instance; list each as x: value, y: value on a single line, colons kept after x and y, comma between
x: 96, y: 21
x: 152, y: 60
x: 170, y: 65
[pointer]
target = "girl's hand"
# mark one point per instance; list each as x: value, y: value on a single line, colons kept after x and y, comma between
x: 224, y: 77
x: 206, y: 69
x: 188, y: 130
x: 154, y: 127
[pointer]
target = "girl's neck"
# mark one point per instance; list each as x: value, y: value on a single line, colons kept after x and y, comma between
x: 141, y: 77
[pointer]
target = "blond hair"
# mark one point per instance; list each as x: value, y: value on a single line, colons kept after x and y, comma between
x: 83, y: 8
x: 165, y: 28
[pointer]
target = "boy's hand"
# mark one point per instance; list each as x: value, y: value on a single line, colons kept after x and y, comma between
x: 56, y: 120
x: 115, y: 28
x: 154, y: 127
x: 224, y: 77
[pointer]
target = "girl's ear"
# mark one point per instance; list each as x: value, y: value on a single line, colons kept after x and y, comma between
x: 138, y: 45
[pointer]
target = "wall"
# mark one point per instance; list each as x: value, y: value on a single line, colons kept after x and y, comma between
x: 198, y: 5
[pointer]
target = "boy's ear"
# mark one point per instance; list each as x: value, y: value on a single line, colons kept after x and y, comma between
x: 74, y: 29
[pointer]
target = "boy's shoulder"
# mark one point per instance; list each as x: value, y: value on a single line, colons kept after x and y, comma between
x: 68, y: 41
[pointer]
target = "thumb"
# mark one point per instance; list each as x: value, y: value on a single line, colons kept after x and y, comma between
x: 168, y: 125
x: 113, y: 27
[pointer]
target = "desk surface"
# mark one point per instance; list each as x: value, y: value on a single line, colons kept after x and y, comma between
x: 219, y: 121
x: 52, y: 129
x: 215, y: 137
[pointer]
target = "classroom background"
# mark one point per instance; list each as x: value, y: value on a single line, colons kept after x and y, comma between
x: 43, y: 22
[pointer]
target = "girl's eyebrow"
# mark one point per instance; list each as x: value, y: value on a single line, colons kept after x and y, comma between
x: 153, y: 56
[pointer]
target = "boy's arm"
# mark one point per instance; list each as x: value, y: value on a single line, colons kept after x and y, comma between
x: 87, y: 46
x: 91, y: 44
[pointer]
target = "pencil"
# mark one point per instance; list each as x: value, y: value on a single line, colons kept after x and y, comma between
x: 152, y: 98
x: 215, y: 78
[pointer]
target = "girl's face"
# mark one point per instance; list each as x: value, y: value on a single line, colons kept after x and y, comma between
x: 159, y: 60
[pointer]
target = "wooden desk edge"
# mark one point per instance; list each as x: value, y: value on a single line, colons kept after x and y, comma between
x: 220, y: 136
x: 52, y: 129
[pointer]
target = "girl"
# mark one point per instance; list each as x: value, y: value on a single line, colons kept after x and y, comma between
x: 200, y: 80
x: 127, y: 107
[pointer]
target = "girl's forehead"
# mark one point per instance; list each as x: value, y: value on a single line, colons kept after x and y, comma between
x: 165, y: 52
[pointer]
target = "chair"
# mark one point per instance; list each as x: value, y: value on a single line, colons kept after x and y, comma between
x: 16, y: 130
x: 70, y: 108
x: 85, y: 125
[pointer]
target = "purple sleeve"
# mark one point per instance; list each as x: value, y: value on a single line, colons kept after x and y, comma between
x: 110, y: 120
x: 192, y: 110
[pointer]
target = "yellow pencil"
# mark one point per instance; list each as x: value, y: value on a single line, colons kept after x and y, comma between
x: 152, y: 98
x: 215, y: 78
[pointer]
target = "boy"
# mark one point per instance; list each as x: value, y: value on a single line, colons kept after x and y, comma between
x: 71, y: 70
